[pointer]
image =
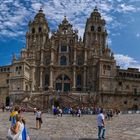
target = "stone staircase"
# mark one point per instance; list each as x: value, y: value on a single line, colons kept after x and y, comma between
x: 68, y: 101
x: 43, y: 100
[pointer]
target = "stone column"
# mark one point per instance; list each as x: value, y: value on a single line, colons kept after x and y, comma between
x: 85, y: 59
x: 52, y: 53
x: 52, y: 57
x: 44, y: 39
x: 41, y: 73
x: 41, y: 56
x: 51, y: 78
x: 33, y: 79
x: 74, y: 79
x: 75, y: 56
x: 84, y: 79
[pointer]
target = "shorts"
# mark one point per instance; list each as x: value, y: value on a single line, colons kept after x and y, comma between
x: 39, y: 119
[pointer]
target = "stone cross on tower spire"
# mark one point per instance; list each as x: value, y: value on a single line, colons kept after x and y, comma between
x: 97, y: 3
x: 41, y: 9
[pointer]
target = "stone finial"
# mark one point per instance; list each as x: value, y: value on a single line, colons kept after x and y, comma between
x: 14, y: 56
x: 40, y: 10
x: 65, y: 20
x: 80, y: 39
x: 96, y: 9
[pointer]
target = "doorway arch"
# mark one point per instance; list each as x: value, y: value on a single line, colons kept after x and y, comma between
x: 63, y: 83
x: 7, y: 102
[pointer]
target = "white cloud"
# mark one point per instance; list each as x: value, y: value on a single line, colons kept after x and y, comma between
x: 15, y: 15
x: 125, y: 61
x: 36, y: 6
x: 134, y: 0
x: 126, y: 8
x: 137, y: 35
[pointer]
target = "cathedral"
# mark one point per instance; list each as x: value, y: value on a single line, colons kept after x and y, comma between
x: 60, y: 63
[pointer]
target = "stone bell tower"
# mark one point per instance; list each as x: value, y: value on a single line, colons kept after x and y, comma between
x: 38, y: 31
x: 37, y: 38
x: 95, y: 31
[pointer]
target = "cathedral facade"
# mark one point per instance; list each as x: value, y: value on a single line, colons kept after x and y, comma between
x: 66, y: 63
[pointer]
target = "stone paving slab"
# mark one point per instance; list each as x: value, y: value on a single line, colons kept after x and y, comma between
x: 123, y: 127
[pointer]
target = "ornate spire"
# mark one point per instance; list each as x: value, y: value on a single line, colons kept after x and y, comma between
x: 95, y: 13
x: 65, y: 21
x: 96, y: 9
x: 14, y: 56
x: 41, y: 11
x: 40, y: 14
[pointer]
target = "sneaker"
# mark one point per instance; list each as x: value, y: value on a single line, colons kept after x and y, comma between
x: 103, y: 138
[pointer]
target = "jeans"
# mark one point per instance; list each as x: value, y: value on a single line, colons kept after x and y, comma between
x: 101, y: 132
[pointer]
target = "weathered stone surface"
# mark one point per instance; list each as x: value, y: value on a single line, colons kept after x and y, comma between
x: 123, y: 127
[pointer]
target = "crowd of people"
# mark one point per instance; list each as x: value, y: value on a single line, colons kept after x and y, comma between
x: 109, y: 113
x: 18, y: 130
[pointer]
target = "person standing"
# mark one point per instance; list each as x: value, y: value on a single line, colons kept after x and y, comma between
x: 34, y: 110
x: 3, y: 108
x: 38, y: 118
x: 101, y: 125
x: 13, y: 114
x: 79, y: 112
x: 15, y: 132
x: 60, y: 112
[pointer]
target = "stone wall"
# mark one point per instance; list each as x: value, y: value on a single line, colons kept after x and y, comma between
x: 4, y: 92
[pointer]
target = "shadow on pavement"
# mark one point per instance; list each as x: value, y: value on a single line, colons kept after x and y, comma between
x: 88, y: 139
x: 33, y: 128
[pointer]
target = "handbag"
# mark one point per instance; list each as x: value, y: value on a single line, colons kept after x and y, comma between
x: 12, y: 136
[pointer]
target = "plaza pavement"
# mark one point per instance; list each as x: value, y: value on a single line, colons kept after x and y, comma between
x: 122, y: 127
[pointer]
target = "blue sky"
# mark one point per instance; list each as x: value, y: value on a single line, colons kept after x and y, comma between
x: 122, y: 18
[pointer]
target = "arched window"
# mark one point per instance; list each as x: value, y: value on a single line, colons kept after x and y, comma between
x: 104, y: 67
x: 20, y: 67
x: 120, y: 73
x: 124, y: 74
x: 132, y: 75
x: 66, y: 77
x: 7, y: 101
x: 16, y: 68
x: 136, y: 76
x: 63, y: 60
x: 79, y: 82
x: 108, y: 67
x: 48, y: 60
x: 63, y: 83
x: 33, y: 30
x: 128, y: 75
x: 80, y: 60
x: 64, y: 48
x: 99, y: 29
x: 26, y: 87
x: 92, y: 28
x: 39, y: 29
x: 46, y: 82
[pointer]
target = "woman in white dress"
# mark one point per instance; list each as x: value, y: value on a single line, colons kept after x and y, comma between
x: 15, y: 132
